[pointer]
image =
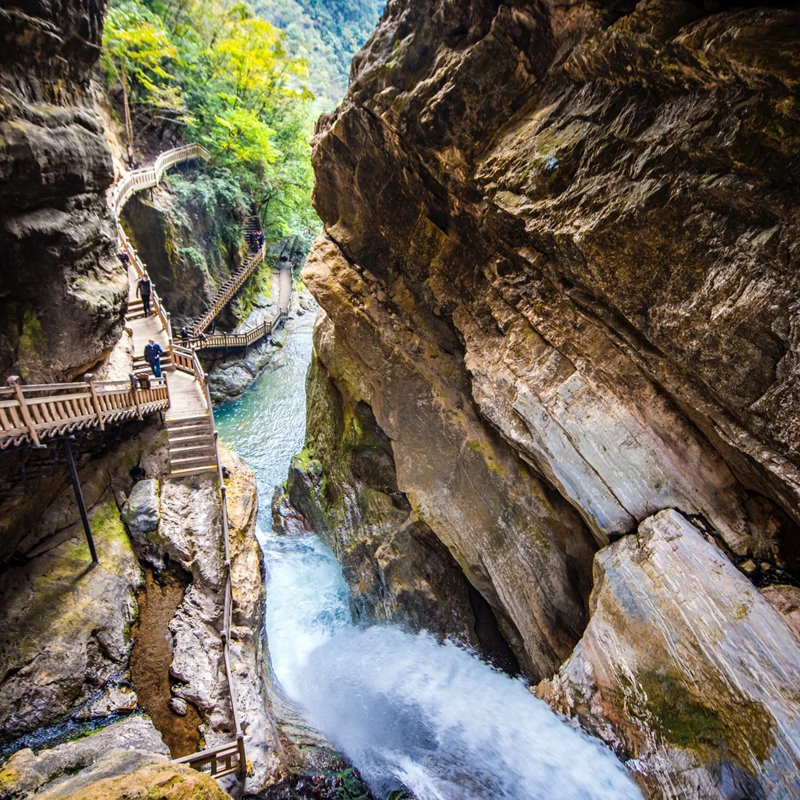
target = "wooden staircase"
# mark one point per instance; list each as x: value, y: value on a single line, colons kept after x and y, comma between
x: 136, y: 310
x: 252, y: 224
x: 191, y: 445
x: 140, y: 365
x: 226, y: 292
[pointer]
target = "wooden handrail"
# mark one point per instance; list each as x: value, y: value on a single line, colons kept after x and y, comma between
x: 144, y: 178
x: 220, y: 760
x: 228, y: 290
x: 38, y: 412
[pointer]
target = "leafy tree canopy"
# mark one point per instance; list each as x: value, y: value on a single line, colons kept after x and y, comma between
x: 326, y: 32
x: 222, y: 76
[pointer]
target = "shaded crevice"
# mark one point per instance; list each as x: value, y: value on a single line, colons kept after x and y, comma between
x: 493, y: 644
x: 151, y: 657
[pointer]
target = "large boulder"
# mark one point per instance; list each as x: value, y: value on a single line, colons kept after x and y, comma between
x: 64, y: 625
x: 686, y: 670
x: 122, y: 773
x: 62, y: 290
x: 26, y: 772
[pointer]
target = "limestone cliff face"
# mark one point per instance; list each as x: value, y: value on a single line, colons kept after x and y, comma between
x: 560, y: 269
x: 188, y: 233
x: 61, y: 289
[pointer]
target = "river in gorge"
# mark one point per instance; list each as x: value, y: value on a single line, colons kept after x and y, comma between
x: 407, y: 711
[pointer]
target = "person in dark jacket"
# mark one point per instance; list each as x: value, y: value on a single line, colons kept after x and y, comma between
x: 143, y: 290
x: 152, y: 355
x: 124, y: 258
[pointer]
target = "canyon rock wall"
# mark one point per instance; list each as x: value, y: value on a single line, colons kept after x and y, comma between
x: 84, y: 646
x: 559, y: 269
x: 61, y: 289
x: 188, y: 233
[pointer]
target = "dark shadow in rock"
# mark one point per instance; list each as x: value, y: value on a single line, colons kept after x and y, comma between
x: 152, y: 655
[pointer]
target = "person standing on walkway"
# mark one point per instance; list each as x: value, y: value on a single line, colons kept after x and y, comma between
x: 152, y: 355
x: 143, y: 289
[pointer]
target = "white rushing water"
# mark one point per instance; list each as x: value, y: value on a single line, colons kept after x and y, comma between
x: 407, y: 711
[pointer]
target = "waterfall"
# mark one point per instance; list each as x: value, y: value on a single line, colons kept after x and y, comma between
x: 406, y: 710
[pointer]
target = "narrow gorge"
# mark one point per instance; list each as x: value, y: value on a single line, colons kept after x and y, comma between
x: 503, y: 503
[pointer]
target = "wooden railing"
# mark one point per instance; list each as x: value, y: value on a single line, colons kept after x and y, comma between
x: 139, y: 179
x: 227, y: 291
x: 29, y: 414
x: 230, y: 757
x: 156, y: 302
x: 218, y: 762
x: 218, y: 341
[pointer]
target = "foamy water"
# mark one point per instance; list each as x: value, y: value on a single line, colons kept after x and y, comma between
x: 407, y: 711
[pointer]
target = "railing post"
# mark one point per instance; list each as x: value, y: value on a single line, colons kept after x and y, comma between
x: 242, y: 755
x: 135, y: 393
x: 13, y: 381
x: 89, y: 378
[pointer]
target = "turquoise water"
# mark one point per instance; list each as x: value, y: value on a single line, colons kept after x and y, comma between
x: 408, y: 711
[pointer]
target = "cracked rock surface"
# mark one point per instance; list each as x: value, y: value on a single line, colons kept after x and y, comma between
x: 559, y: 272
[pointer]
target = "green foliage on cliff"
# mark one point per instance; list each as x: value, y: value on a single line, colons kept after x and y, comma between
x: 219, y: 75
x: 326, y: 32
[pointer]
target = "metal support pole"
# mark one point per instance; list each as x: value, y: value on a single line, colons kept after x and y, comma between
x: 76, y: 485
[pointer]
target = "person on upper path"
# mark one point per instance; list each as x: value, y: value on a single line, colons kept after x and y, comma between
x: 124, y: 258
x: 143, y: 290
x: 152, y: 355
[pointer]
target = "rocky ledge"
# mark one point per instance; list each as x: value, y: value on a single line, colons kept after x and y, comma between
x: 128, y: 654
x: 558, y: 279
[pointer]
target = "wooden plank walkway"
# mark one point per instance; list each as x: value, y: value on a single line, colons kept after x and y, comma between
x: 193, y: 442
x: 29, y: 414
x: 256, y: 334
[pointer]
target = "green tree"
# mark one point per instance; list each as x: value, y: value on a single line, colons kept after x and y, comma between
x: 136, y: 48
x: 231, y: 80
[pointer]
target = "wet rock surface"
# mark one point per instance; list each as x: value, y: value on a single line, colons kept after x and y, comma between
x: 136, y: 777
x: 685, y: 664
x: 66, y: 642
x: 344, y: 487
x: 65, y: 625
x: 558, y: 269
x: 25, y: 772
x: 61, y: 287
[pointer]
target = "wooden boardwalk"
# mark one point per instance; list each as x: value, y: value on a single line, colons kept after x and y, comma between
x: 33, y: 413
x: 246, y: 338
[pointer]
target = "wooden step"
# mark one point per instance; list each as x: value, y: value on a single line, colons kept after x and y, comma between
x: 193, y: 470
x: 191, y: 461
x: 208, y: 444
x: 193, y: 421
x: 206, y: 452
x: 196, y: 428
x: 140, y: 363
x: 189, y: 438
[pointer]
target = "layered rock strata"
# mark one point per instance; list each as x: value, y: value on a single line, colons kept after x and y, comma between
x: 61, y: 290
x: 683, y: 646
x: 559, y: 273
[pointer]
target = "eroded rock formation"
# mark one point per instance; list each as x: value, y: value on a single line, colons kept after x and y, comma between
x: 68, y: 662
x: 559, y: 270
x: 61, y: 289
